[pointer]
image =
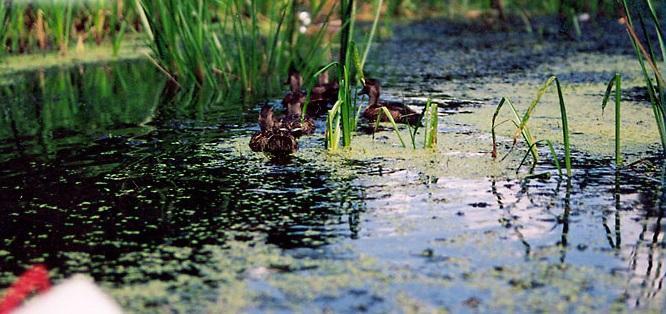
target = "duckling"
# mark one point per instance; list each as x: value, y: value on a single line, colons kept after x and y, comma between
x: 324, y: 90
x: 400, y: 112
x: 272, y: 138
x: 296, y: 95
x: 295, y: 124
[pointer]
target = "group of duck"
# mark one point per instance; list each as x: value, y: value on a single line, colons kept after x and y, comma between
x: 278, y: 135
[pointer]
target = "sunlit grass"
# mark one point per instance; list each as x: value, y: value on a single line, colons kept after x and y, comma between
x: 343, y: 117
x: 522, y: 129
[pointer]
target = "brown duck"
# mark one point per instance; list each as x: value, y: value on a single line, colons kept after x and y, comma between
x: 400, y: 112
x: 319, y: 98
x: 325, y: 91
x: 295, y: 123
x: 272, y: 138
x: 295, y: 94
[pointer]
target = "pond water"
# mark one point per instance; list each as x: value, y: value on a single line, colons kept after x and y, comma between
x: 103, y: 171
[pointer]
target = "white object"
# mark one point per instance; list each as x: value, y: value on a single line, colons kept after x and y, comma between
x: 305, y: 18
x: 77, y: 295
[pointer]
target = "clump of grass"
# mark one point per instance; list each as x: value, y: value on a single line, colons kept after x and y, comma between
x: 645, y: 53
x: 617, y: 82
x: 26, y: 26
x: 234, y: 44
x: 522, y: 129
x: 342, y: 119
x: 387, y: 113
x: 62, y: 22
x: 430, y: 122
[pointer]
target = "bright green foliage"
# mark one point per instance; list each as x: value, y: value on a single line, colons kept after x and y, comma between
x: 343, y: 117
x: 430, y: 121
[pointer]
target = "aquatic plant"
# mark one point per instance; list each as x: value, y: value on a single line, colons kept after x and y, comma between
x: 645, y: 53
x: 51, y: 24
x: 4, y: 22
x: 62, y: 22
x: 387, y: 113
x: 342, y: 119
x: 430, y: 121
x: 617, y: 82
x: 522, y: 129
x: 234, y: 44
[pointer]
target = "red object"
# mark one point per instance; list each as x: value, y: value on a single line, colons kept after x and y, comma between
x: 35, y: 279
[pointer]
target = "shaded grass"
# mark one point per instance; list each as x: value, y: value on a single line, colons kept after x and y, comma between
x: 646, y: 56
x: 616, y: 82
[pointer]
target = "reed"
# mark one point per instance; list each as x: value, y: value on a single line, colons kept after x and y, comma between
x: 234, y: 44
x: 431, y: 123
x: 386, y: 113
x: 4, y: 23
x: 522, y: 129
x: 118, y: 25
x: 62, y: 22
x: 343, y: 117
x: 430, y: 120
x: 616, y: 82
x: 48, y: 24
x: 646, y: 56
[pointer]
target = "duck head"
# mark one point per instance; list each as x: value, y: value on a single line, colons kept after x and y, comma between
x: 295, y: 80
x: 323, y: 78
x: 266, y: 121
x: 372, y: 88
x: 294, y: 107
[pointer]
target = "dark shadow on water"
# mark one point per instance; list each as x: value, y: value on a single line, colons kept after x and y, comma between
x: 100, y: 163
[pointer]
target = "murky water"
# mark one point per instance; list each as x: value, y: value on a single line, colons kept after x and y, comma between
x: 168, y: 209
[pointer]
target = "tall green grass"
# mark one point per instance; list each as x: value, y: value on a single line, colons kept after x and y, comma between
x: 62, y: 23
x: 232, y: 44
x: 28, y: 26
x: 523, y: 130
x: 647, y: 58
x: 4, y: 23
x: 342, y: 119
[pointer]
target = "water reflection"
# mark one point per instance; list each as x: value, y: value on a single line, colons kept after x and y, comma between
x: 103, y: 166
x: 600, y: 229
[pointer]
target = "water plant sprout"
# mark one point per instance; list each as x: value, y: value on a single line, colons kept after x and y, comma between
x: 341, y: 120
x: 430, y: 122
x: 617, y: 82
x: 523, y: 130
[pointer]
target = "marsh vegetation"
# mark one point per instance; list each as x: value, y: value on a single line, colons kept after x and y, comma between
x: 382, y: 156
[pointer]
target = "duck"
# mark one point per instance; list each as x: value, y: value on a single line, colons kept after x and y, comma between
x: 400, y: 112
x: 319, y: 98
x: 272, y: 138
x: 295, y: 123
x: 325, y: 91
